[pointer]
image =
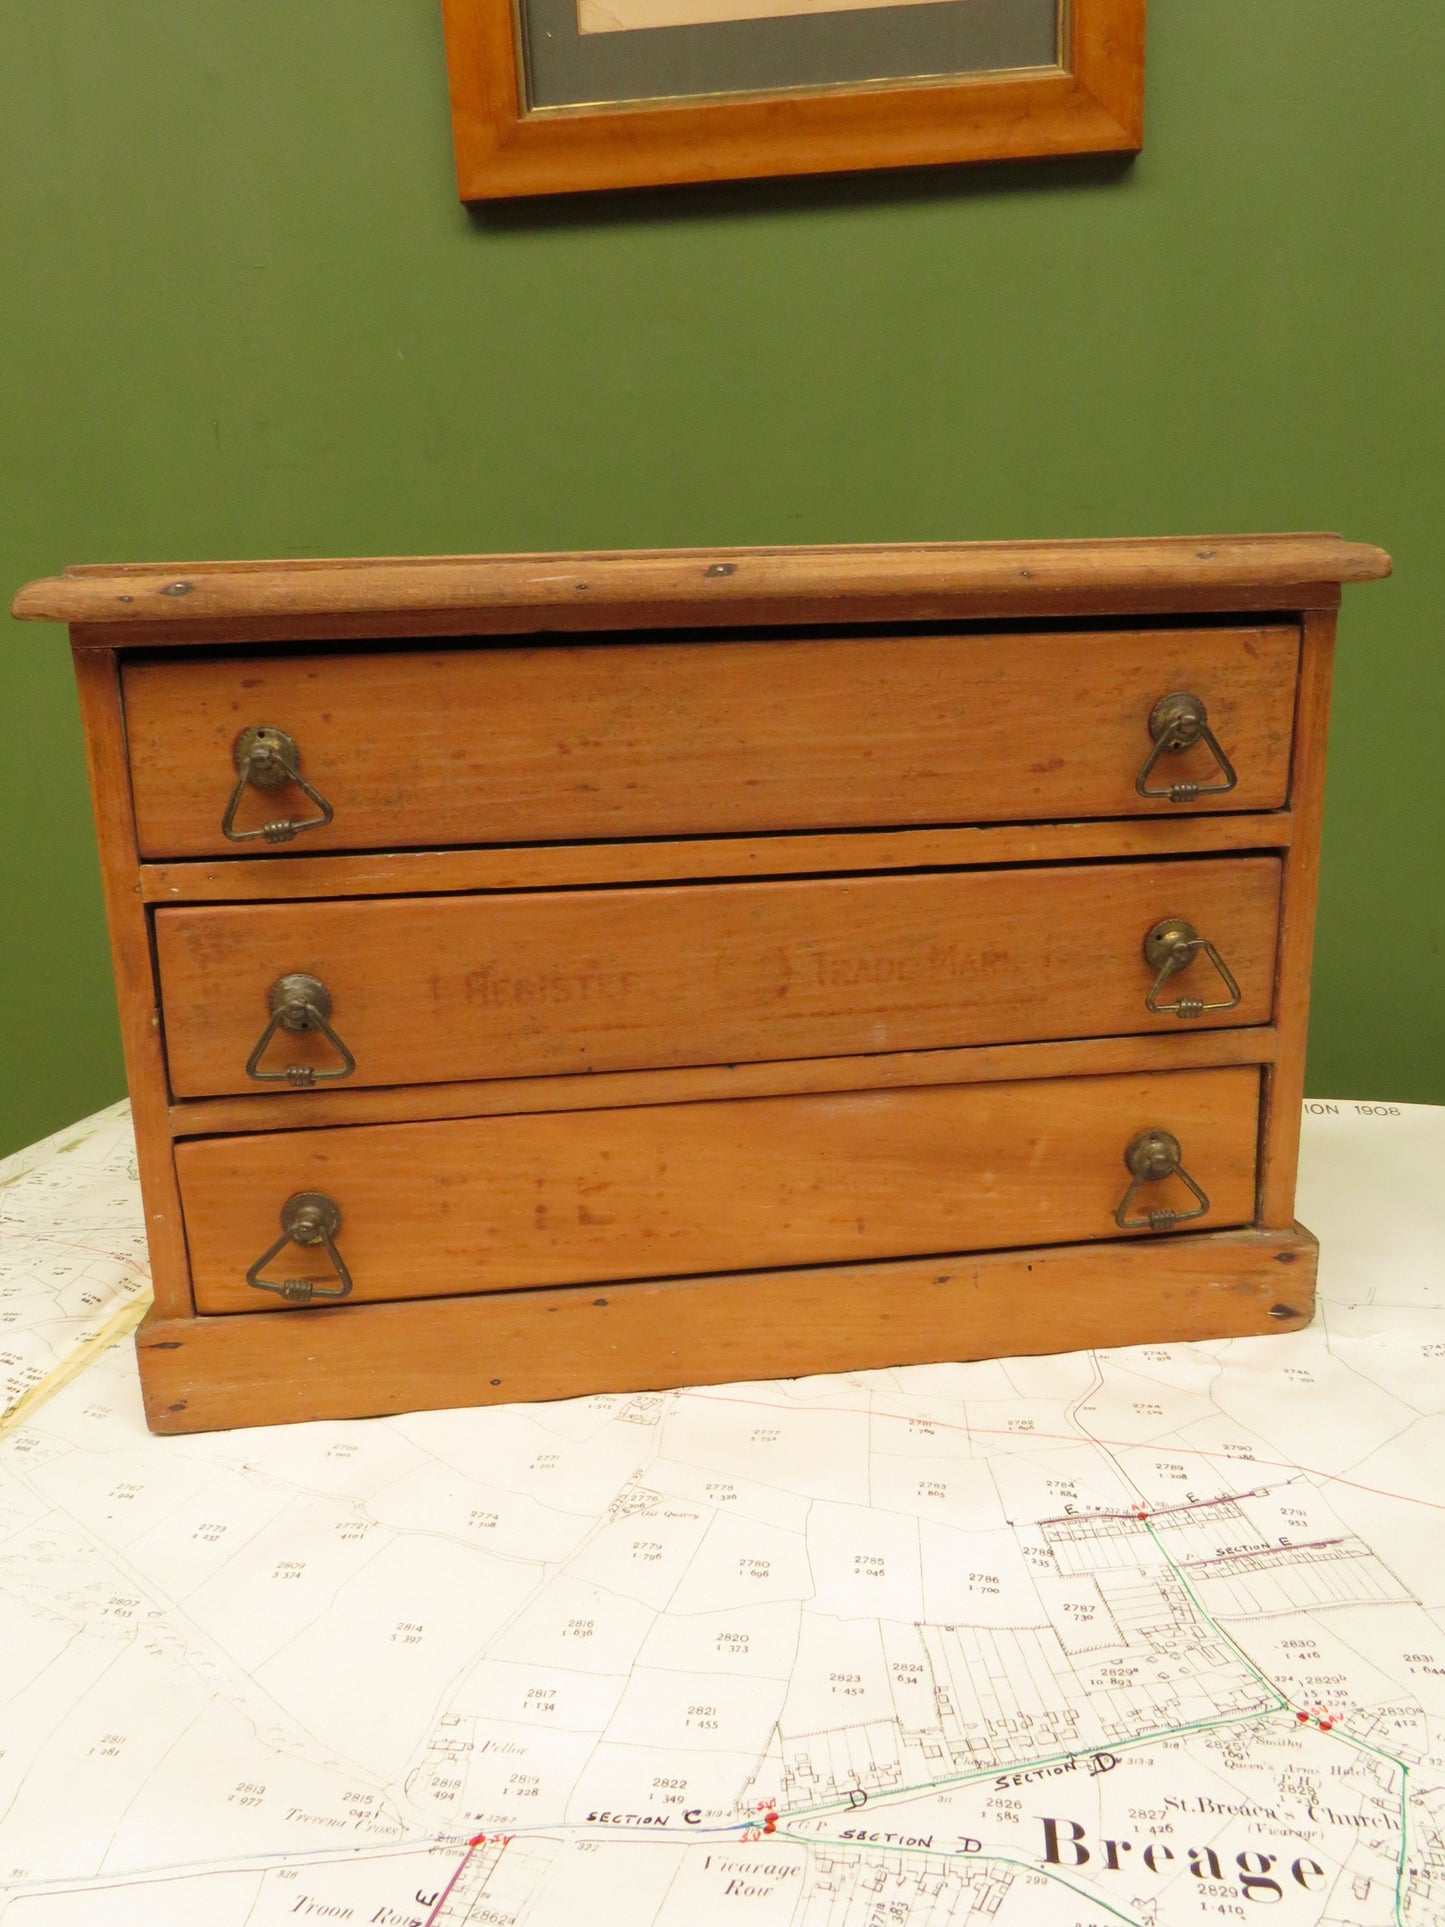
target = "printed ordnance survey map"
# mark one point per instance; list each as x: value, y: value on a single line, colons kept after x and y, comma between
x: 1149, y: 1636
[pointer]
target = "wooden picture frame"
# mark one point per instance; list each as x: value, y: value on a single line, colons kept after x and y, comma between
x: 1085, y: 97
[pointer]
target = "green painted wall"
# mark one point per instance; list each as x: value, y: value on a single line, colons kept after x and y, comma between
x: 244, y: 315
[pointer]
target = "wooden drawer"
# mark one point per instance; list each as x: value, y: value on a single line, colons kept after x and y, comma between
x: 427, y: 989
x: 495, y: 1204
x: 503, y: 744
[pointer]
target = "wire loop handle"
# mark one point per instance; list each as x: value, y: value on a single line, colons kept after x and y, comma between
x: 1177, y: 722
x: 308, y: 1218
x: 1151, y: 1157
x: 1171, y: 946
x: 298, y: 1003
x: 268, y: 759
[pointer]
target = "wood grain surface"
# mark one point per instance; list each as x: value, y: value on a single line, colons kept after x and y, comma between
x: 656, y: 588
x: 137, y: 1000
x: 552, y: 866
x: 509, y: 745
x: 1285, y: 1085
x: 358, y: 1360
x: 439, y: 988
x: 575, y: 1197
x: 1187, y: 1048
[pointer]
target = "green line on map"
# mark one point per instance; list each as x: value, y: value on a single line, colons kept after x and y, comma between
x: 1351, y: 1738
x: 1001, y: 1769
x: 1281, y: 1703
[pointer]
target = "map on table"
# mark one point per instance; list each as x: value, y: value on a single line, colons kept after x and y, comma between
x: 73, y: 1267
x: 1154, y: 1635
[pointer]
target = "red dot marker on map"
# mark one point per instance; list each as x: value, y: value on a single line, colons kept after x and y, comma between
x: 1325, y: 1725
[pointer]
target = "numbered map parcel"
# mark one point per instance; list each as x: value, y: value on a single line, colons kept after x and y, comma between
x: 1153, y: 1636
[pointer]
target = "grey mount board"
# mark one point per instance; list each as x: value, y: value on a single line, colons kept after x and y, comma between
x: 565, y: 68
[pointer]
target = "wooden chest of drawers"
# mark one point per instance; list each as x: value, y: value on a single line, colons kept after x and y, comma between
x: 552, y: 974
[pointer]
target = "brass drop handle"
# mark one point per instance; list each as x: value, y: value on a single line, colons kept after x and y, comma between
x: 1172, y: 946
x: 1151, y: 1157
x: 1177, y: 722
x: 298, y: 1002
x: 308, y: 1219
x: 268, y: 759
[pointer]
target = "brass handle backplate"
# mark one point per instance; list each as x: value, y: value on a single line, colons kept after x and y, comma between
x: 297, y: 1003
x: 1171, y: 946
x: 1151, y: 1157
x: 308, y: 1219
x: 1177, y: 722
x: 268, y: 759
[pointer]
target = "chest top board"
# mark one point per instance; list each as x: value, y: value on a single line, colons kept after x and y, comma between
x: 550, y: 974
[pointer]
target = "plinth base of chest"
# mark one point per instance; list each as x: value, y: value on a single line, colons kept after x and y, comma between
x: 503, y: 1348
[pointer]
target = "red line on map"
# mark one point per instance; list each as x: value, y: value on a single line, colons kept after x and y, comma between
x: 472, y: 1845
x: 1144, y: 1512
x: 460, y: 1868
x: 98, y: 1251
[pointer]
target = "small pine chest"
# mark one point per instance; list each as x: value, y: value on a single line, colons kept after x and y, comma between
x: 543, y: 975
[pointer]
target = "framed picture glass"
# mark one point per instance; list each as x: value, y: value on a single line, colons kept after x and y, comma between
x: 555, y: 96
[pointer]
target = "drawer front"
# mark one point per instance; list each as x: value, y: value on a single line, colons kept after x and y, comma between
x: 495, y: 1204
x: 512, y: 745
x: 426, y: 989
